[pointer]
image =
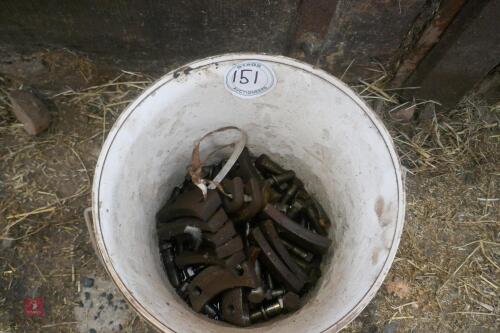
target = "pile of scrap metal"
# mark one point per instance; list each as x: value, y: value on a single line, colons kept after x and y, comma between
x: 247, y: 250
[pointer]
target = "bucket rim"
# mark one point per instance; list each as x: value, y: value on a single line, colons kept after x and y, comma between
x: 96, y: 231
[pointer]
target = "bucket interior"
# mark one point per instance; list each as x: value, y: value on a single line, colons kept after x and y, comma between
x: 309, y: 122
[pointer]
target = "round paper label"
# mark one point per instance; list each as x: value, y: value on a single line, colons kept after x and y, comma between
x: 250, y: 79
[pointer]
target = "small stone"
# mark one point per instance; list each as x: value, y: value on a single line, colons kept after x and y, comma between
x: 404, y: 115
x: 87, y: 282
x: 92, y: 330
x: 87, y: 295
x: 391, y: 327
x: 427, y: 113
x: 6, y: 243
x: 30, y: 111
x: 103, y: 294
x: 109, y: 297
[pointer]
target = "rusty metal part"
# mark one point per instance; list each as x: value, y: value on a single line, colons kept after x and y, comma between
x: 213, y: 280
x: 303, y: 264
x: 312, y: 214
x: 281, y: 207
x: 297, y: 206
x: 175, y: 193
x: 252, y: 188
x: 167, y: 252
x: 323, y: 219
x: 272, y: 237
x: 290, y: 302
x: 211, y: 311
x: 307, y: 256
x: 222, y: 236
x: 270, y: 195
x: 290, y: 192
x: 235, y: 188
x: 217, y: 220
x: 275, y: 293
x: 303, y: 195
x: 257, y: 295
x: 191, y: 271
x: 253, y: 253
x: 281, y: 178
x: 188, y: 258
x: 184, y: 242
x: 313, y: 242
x: 266, y: 165
x: 182, y: 290
x: 235, y: 259
x: 229, y: 248
x: 176, y: 227
x: 270, y: 281
x: 275, y: 265
x: 235, y: 307
x: 191, y: 204
x: 246, y: 168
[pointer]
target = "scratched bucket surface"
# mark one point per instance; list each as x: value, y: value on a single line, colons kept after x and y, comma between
x: 308, y: 121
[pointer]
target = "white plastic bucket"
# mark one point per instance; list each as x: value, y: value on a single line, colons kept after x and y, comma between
x: 308, y: 121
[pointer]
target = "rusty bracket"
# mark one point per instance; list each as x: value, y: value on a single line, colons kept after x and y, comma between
x: 313, y: 242
x: 188, y: 258
x: 229, y: 248
x: 275, y: 265
x: 191, y: 204
x: 176, y: 227
x: 252, y: 188
x: 214, y: 279
x: 271, y: 235
x: 235, y: 188
x: 222, y: 236
x: 235, y: 308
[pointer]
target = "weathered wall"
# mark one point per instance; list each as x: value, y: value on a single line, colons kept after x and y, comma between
x: 427, y: 41
x: 167, y: 32
x: 366, y: 34
x: 468, y: 50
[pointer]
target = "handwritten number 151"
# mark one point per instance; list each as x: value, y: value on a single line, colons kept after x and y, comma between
x: 244, y: 79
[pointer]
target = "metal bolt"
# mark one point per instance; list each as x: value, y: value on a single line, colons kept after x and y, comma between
x: 307, y: 256
x: 323, y: 219
x: 277, y: 293
x: 292, y: 190
x: 211, y: 311
x: 270, y: 282
x: 167, y: 252
x: 297, y: 206
x: 282, y: 178
x: 258, y: 294
x: 289, y: 302
x: 265, y: 164
x: 182, y: 290
x: 313, y: 215
x: 266, y: 312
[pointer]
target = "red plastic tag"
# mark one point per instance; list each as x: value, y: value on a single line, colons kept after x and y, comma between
x: 34, y: 307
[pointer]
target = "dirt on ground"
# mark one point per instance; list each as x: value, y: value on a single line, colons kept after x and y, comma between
x: 446, y: 274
